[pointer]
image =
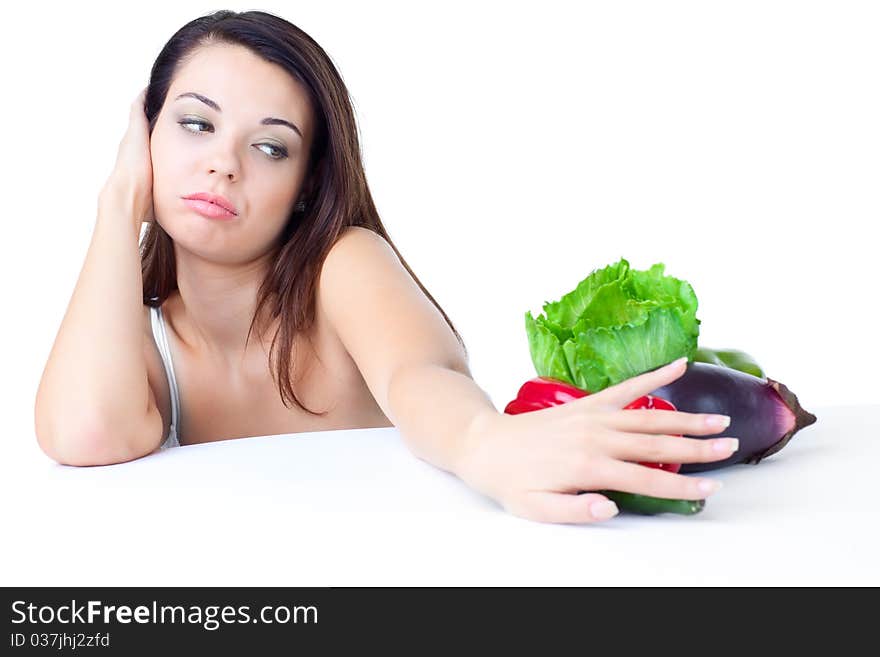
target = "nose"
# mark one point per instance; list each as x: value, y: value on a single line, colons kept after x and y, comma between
x: 224, y: 162
x: 228, y: 171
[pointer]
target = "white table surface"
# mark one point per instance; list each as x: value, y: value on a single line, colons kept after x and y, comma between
x: 356, y: 508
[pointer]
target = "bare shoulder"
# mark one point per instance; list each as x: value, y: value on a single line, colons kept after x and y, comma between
x: 358, y: 239
x: 356, y: 256
x: 349, y: 260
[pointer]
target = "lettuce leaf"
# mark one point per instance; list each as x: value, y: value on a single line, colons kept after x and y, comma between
x: 616, y: 324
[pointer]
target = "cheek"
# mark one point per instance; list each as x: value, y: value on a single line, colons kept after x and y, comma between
x: 169, y: 182
x: 273, y: 196
x: 158, y: 150
x: 168, y: 167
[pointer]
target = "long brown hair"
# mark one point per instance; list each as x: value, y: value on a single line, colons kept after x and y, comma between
x: 338, y: 194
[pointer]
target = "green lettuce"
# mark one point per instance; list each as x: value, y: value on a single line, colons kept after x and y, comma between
x: 616, y: 324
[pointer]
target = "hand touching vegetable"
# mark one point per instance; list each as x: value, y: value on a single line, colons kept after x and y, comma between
x: 535, y: 464
x: 543, y: 392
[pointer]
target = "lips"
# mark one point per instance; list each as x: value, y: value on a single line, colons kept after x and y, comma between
x: 208, y: 210
x: 214, y: 199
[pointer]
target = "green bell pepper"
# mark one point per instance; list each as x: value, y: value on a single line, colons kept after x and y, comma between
x: 732, y: 358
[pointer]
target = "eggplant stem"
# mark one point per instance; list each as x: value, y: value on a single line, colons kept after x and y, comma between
x: 802, y: 418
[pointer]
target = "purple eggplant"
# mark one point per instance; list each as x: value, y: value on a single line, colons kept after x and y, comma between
x: 764, y: 414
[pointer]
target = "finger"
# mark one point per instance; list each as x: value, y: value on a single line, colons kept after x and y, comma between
x: 669, y: 449
x: 649, y: 420
x: 628, y: 390
x: 639, y: 479
x: 543, y: 506
x: 139, y: 104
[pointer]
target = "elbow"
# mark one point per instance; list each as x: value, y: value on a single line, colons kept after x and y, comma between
x: 88, y: 444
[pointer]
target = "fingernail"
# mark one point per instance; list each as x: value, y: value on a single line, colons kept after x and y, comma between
x: 720, y: 421
x: 678, y: 362
x: 603, y: 510
x: 726, y: 445
x: 708, y: 485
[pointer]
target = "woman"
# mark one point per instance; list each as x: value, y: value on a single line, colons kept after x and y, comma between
x: 242, y: 155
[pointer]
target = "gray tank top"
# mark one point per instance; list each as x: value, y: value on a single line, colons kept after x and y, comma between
x: 157, y: 323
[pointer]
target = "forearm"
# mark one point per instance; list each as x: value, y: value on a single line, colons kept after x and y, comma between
x: 96, y: 374
x: 434, y: 408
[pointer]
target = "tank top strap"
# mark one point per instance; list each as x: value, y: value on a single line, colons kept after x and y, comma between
x: 160, y: 336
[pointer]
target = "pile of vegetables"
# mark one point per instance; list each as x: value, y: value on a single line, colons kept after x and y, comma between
x: 619, y: 323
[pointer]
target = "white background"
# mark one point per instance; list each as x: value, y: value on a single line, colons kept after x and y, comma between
x: 354, y: 508
x: 511, y: 149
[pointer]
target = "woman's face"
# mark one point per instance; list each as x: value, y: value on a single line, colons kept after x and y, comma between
x: 228, y: 151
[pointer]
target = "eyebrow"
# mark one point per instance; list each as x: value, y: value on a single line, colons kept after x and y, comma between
x: 269, y: 120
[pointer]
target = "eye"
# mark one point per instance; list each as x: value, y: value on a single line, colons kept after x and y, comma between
x: 190, y: 122
x: 277, y: 153
x: 280, y: 152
